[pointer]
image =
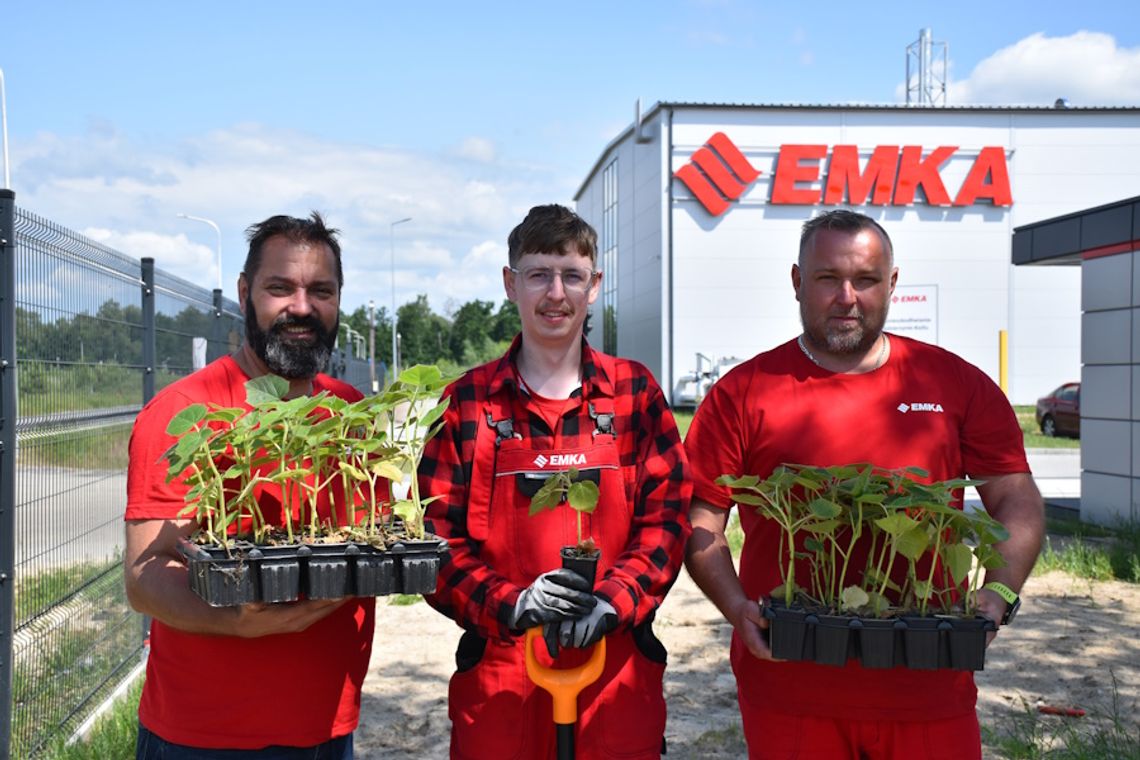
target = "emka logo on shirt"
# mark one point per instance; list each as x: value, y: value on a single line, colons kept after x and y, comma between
x: 920, y: 406
x: 560, y: 460
x: 812, y: 175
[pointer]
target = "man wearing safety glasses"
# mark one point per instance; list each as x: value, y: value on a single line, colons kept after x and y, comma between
x: 553, y: 404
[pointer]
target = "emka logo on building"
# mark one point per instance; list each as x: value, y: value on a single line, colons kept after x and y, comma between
x: 719, y: 173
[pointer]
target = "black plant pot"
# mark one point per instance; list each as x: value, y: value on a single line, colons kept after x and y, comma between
x: 586, y: 565
x: 417, y: 564
x: 788, y: 632
x: 278, y: 573
x: 880, y: 642
x: 921, y: 643
x: 273, y: 574
x: 328, y: 570
x: 833, y: 640
x: 925, y: 642
x: 375, y: 572
x: 967, y: 642
x: 221, y: 580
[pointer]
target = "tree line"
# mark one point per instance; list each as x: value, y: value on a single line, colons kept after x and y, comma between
x: 476, y: 331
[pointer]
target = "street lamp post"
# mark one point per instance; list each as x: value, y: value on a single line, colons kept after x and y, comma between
x: 4, y: 129
x: 372, y: 344
x: 392, y: 247
x: 219, y: 233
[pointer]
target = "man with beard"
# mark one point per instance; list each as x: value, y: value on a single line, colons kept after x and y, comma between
x: 265, y: 681
x: 846, y: 392
x: 553, y: 404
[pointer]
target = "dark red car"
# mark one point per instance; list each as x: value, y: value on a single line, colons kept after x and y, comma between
x: 1059, y: 413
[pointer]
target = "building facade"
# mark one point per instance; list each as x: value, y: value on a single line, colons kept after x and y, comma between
x: 1105, y: 243
x: 699, y: 209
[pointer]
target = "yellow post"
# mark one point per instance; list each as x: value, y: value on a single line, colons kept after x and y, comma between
x: 1003, y: 361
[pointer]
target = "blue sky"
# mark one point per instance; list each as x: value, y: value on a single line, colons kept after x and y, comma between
x: 459, y: 115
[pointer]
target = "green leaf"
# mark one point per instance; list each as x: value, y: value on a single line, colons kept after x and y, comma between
x: 958, y: 559
x: 434, y: 413
x: 923, y: 589
x: 913, y: 543
x: 262, y: 390
x: 185, y: 420
x: 354, y: 472
x: 895, y: 524
x: 388, y: 470
x: 421, y: 375
x: 853, y: 598
x: 813, y: 545
x: 544, y: 499
x: 406, y: 510
x: 732, y: 481
x: 824, y: 508
x: 583, y: 496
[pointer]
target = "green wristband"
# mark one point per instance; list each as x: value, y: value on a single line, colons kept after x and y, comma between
x: 1002, y: 590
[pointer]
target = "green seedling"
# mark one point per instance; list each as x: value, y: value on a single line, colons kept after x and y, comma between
x: 829, y: 515
x: 306, y: 446
x: 581, y: 495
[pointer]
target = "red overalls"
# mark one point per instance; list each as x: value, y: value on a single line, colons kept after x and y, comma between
x: 497, y: 713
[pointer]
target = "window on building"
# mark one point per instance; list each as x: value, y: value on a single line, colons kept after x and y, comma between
x: 609, y: 253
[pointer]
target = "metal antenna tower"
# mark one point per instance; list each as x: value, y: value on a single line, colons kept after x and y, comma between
x: 925, y: 77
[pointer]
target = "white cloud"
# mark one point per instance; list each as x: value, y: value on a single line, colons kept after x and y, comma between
x: 1087, y: 68
x: 126, y: 194
x: 177, y: 253
x: 477, y: 149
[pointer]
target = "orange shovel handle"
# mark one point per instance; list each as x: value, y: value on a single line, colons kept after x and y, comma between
x: 564, y: 684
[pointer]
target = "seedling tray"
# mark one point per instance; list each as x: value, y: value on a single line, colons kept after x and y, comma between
x: 909, y: 641
x: 276, y: 574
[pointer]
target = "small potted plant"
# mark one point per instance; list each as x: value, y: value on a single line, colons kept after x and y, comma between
x: 366, y: 544
x: 892, y: 566
x: 582, y: 496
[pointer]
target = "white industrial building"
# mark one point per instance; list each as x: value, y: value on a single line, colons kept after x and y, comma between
x: 699, y: 208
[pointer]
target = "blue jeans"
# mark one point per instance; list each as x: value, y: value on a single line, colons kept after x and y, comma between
x: 152, y: 747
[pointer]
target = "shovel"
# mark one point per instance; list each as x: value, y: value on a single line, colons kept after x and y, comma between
x: 564, y: 686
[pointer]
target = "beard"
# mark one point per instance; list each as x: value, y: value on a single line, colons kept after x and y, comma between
x: 291, y: 359
x: 846, y: 342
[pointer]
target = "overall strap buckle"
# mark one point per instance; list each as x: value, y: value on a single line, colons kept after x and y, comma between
x: 603, y: 422
x: 504, y: 429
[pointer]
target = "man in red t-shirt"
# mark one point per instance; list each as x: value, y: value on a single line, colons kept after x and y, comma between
x: 267, y: 681
x: 843, y: 392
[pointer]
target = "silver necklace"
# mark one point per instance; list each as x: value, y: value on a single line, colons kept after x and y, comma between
x: 878, y: 361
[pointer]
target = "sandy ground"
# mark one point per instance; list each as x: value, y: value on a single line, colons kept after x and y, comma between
x: 1072, y: 639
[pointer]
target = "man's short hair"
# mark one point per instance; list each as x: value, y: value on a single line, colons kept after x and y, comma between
x: 552, y: 229
x: 311, y: 230
x: 844, y: 220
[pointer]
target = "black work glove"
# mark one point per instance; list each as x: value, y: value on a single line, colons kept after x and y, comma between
x: 588, y: 629
x: 554, y: 596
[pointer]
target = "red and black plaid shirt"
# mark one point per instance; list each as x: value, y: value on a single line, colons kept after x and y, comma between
x: 473, y: 593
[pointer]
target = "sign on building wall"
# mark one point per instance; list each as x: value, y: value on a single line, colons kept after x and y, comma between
x: 914, y: 312
x: 718, y: 174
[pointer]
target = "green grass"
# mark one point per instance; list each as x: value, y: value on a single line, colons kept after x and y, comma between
x: 1114, y: 556
x: 35, y: 593
x: 1102, y: 734
x: 96, y: 448
x: 404, y: 600
x: 1026, y: 417
x: 113, y: 736
x: 74, y: 658
x: 684, y: 419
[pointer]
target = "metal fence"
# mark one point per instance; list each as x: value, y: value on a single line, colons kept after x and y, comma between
x: 88, y: 336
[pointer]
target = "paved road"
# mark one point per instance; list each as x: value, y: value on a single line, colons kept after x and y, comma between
x: 67, y: 515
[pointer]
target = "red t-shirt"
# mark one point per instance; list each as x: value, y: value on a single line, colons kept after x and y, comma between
x: 223, y: 691
x: 924, y: 407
